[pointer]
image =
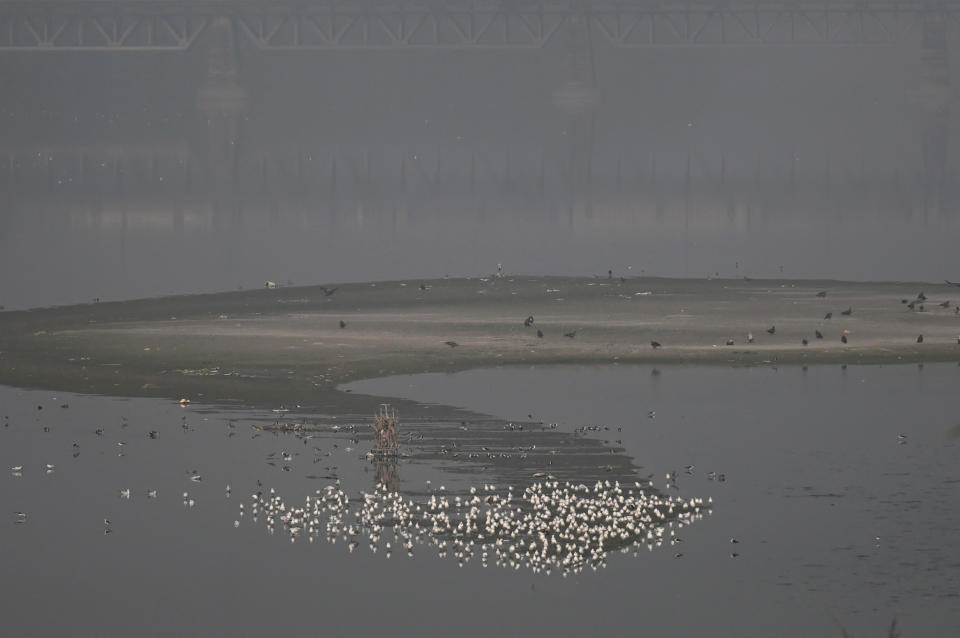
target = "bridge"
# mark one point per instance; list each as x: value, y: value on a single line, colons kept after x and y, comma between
x: 289, y: 25
x: 571, y: 28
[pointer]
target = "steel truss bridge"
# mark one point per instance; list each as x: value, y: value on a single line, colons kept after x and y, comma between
x: 291, y: 25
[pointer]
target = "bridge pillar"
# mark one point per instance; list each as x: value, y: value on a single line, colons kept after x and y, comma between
x: 579, y: 98
x: 222, y: 103
x: 934, y: 101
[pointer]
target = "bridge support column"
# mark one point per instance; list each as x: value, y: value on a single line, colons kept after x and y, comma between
x: 579, y: 100
x: 934, y: 98
x: 222, y: 103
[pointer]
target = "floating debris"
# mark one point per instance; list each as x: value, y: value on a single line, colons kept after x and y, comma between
x: 385, y: 427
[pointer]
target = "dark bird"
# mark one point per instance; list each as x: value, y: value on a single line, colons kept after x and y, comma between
x: 912, y: 305
x: 829, y: 315
x: 570, y: 334
x: 654, y: 344
x: 921, y: 296
x: 819, y: 334
x: 343, y: 324
x: 843, y: 338
x: 847, y: 312
x: 804, y: 341
x: 903, y: 301
x: 452, y: 344
x: 730, y: 342
x: 772, y: 330
x: 528, y: 321
x: 945, y: 304
x: 539, y: 334
x: 329, y: 291
x: 920, y: 339
x: 822, y: 293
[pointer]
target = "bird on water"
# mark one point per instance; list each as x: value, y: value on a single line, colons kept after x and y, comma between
x: 818, y: 334
x: 528, y: 321
x: 772, y: 330
x: 829, y: 315
x: 847, y: 312
x: 571, y: 334
x: 654, y: 344
x: 452, y: 344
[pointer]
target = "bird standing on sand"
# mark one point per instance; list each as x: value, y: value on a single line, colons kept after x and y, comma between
x: 818, y: 334
x: 730, y: 342
x: 654, y: 344
x: 804, y: 341
x: 539, y: 334
x: 528, y: 321
x: 749, y: 337
x: 920, y: 339
x: 343, y: 324
x: 822, y: 293
x: 843, y: 338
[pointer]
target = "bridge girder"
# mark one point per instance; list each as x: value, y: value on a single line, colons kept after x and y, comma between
x: 159, y: 25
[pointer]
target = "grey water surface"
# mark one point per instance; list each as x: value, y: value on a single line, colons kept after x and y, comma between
x: 839, y: 485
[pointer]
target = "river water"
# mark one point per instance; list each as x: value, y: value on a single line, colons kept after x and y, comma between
x: 839, y: 485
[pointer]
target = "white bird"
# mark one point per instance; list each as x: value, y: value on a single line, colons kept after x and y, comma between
x: 16, y: 468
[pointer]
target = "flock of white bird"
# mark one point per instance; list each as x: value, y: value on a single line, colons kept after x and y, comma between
x: 549, y: 527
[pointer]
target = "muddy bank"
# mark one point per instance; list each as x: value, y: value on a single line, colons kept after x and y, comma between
x: 295, y: 345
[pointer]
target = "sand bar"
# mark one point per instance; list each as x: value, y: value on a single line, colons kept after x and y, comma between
x: 287, y: 344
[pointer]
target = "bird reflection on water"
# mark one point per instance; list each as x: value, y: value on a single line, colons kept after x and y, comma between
x: 549, y: 527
